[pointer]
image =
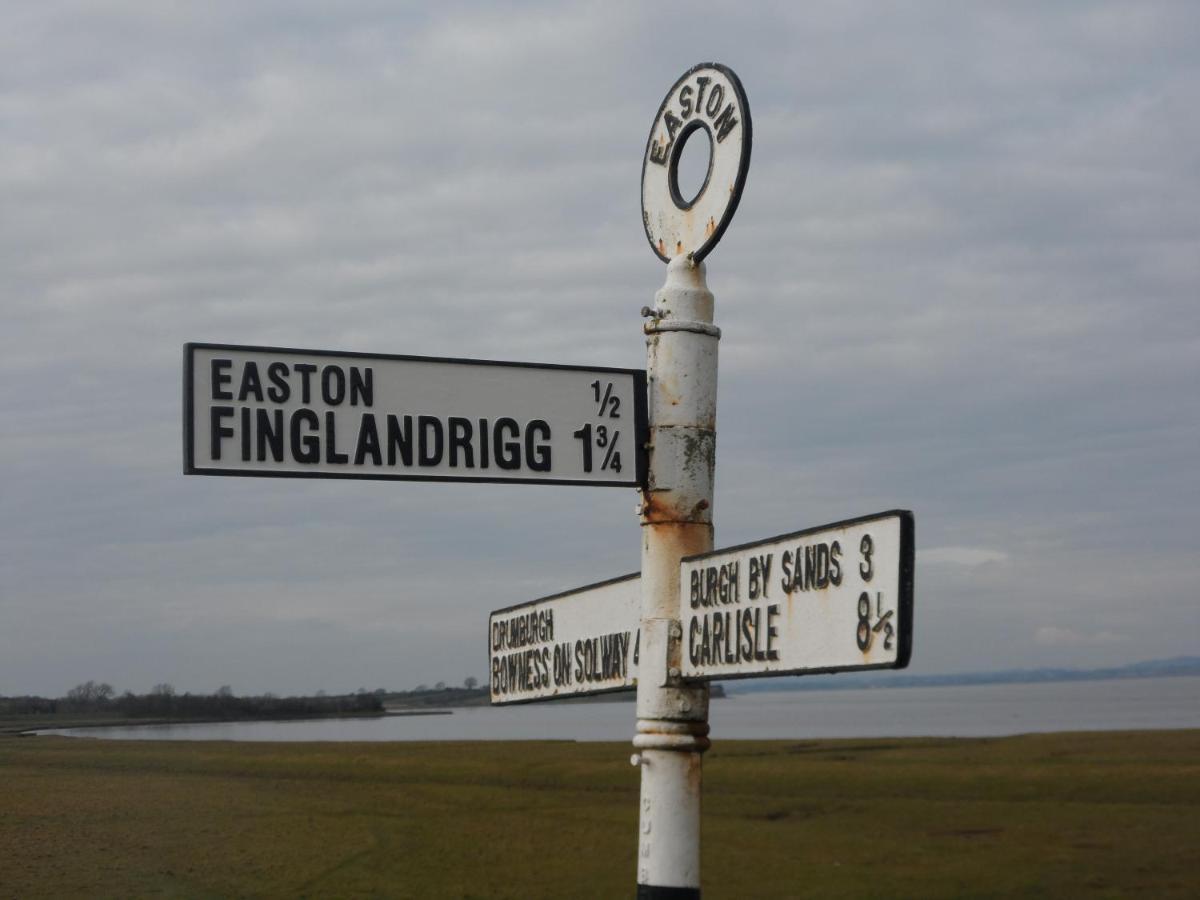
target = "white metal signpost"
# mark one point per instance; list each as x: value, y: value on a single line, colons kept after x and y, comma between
x: 827, y: 599
x: 676, y: 508
x: 830, y: 599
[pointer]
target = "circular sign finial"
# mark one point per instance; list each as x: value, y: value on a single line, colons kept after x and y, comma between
x: 709, y: 97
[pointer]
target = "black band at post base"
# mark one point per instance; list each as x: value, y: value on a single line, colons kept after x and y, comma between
x: 650, y: 892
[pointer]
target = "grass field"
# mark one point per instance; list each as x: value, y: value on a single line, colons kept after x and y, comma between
x: 1068, y: 815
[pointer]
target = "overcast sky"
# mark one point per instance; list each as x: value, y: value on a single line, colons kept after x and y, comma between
x: 963, y: 280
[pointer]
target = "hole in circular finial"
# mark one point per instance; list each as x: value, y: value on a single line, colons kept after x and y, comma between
x: 690, y: 165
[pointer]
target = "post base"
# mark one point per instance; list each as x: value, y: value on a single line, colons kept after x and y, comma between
x: 650, y: 892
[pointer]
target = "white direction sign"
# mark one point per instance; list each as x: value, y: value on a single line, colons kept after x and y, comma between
x: 827, y: 599
x: 580, y: 642
x: 269, y: 411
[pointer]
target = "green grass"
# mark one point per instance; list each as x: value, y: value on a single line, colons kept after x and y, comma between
x: 1070, y: 815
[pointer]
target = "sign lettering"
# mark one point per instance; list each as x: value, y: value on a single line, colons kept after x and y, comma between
x: 580, y: 642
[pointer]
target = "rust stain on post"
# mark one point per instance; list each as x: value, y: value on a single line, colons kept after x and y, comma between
x: 680, y: 538
x: 695, y: 771
x: 663, y: 507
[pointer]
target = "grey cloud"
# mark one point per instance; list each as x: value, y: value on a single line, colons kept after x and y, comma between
x: 962, y: 281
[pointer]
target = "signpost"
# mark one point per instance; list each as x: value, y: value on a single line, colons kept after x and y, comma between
x: 268, y: 411
x: 826, y: 599
x: 676, y: 508
x: 707, y: 615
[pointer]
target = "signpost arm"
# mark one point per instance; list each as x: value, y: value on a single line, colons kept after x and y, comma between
x: 676, y: 518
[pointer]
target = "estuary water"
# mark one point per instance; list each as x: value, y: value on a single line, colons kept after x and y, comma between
x: 954, y: 711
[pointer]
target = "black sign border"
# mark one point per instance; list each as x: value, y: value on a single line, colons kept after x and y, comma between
x: 904, y: 606
x: 640, y: 418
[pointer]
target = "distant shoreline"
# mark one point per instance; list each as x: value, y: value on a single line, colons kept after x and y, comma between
x: 847, y: 681
x: 28, y: 726
x: 444, y: 702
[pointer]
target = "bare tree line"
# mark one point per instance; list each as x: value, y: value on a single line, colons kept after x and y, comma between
x: 163, y: 701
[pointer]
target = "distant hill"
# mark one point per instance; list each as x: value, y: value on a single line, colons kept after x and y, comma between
x: 1157, y: 668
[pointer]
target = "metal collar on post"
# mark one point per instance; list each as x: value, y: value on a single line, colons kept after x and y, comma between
x: 659, y: 325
